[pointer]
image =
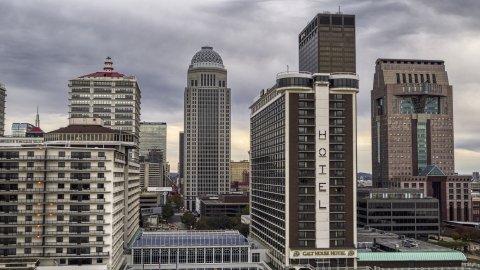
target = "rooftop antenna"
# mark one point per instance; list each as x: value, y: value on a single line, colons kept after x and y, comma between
x: 339, y: 12
x: 287, y: 68
x: 37, y: 119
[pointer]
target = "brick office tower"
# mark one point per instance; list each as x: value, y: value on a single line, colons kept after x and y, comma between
x: 412, y: 119
x: 206, y: 128
x: 412, y: 133
x: 303, y: 169
x: 327, y: 44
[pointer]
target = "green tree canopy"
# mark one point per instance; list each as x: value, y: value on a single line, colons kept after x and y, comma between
x: 167, y: 211
x: 189, y: 219
x: 202, y: 224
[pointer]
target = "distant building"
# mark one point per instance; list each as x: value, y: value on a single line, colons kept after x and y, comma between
x: 150, y: 199
x: 153, y: 135
x: 452, y: 192
x: 240, y: 176
x: 152, y: 169
x: 109, y: 95
x: 476, y: 207
x: 181, y: 161
x: 223, y: 205
x: 401, y: 211
x: 475, y: 176
x: 19, y: 130
x: 3, y: 95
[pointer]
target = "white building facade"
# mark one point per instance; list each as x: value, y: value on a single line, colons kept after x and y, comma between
x: 72, y: 199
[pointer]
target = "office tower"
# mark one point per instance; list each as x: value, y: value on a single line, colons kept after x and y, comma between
x: 412, y: 119
x: 206, y: 127
x: 72, y: 200
x: 327, y: 44
x: 181, y: 144
x: 412, y: 133
x: 3, y: 94
x: 153, y: 135
x: 303, y: 154
x: 109, y: 95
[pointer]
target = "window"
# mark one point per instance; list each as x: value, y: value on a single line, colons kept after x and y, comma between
x: 99, y: 260
x: 61, y: 164
x: 61, y: 154
x: 59, y: 228
x: 28, y: 207
x: 28, y: 218
x: 59, y: 239
x: 30, y: 153
x: 61, y: 185
x: 61, y: 175
x: 59, y: 250
x: 29, y: 196
x: 99, y: 228
x: 29, y: 185
x: 101, y: 175
x: 60, y: 196
x: 101, y: 164
x: 100, y: 207
x: 99, y: 249
x: 28, y: 239
x: 27, y: 250
x: 59, y: 218
x: 28, y: 229
x: 101, y: 154
x: 60, y: 207
x: 255, y: 257
x: 100, y: 217
x: 29, y: 175
x: 99, y: 238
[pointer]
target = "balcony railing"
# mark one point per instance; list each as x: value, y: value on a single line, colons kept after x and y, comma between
x: 41, y: 190
x: 92, y: 254
x: 46, y: 201
x: 53, y: 168
x: 53, y: 179
x: 97, y: 243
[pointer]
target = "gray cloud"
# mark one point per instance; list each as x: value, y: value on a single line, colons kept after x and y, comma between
x: 45, y: 44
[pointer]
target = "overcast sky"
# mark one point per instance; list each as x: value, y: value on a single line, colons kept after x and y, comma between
x: 45, y: 43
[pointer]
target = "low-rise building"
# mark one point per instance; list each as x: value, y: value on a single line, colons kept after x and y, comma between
x: 402, y: 211
x: 196, y: 250
x: 223, y: 205
x: 377, y: 248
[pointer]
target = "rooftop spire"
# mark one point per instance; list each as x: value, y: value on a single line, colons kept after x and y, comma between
x: 108, y: 65
x: 37, y: 119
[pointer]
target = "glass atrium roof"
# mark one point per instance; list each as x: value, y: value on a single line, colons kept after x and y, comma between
x: 190, y: 238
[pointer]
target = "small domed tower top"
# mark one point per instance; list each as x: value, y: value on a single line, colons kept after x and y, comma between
x: 108, y: 65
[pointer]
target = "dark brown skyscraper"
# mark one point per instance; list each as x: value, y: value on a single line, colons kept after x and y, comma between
x: 327, y: 44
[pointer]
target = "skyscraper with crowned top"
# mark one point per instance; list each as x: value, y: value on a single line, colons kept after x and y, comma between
x: 207, y: 128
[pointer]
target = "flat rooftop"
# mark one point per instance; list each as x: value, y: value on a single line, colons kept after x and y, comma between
x: 366, y: 238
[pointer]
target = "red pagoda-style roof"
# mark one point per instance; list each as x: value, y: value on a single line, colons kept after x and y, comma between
x: 36, y: 130
x: 103, y: 74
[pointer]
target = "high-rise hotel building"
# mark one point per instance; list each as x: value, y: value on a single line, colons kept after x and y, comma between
x: 109, y: 95
x: 303, y: 169
x: 206, y: 128
x: 72, y: 199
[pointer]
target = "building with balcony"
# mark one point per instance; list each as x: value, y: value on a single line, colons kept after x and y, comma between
x: 109, y: 95
x: 402, y: 211
x: 3, y: 95
x: 206, y: 128
x: 72, y: 199
x: 303, y: 169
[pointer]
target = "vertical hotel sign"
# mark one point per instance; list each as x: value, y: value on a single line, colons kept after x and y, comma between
x: 322, y: 235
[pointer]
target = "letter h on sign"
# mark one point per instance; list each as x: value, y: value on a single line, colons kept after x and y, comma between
x: 322, y: 136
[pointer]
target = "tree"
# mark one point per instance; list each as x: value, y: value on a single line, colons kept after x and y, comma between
x: 167, y: 211
x: 177, y: 200
x: 455, y: 235
x: 202, y: 224
x: 244, y: 229
x: 189, y: 219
